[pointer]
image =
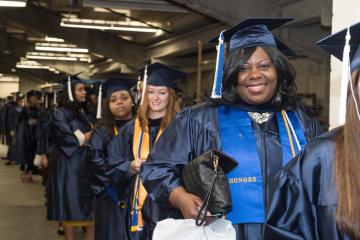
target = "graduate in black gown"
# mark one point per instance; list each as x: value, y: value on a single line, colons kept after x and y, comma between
x: 26, y: 137
x: 316, y: 196
x: 12, y: 123
x: 116, y: 110
x: 44, y: 143
x: 250, y: 122
x: 91, y: 102
x: 132, y: 146
x: 70, y: 198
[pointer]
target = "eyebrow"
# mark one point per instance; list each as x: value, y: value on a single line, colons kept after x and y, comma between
x: 262, y: 60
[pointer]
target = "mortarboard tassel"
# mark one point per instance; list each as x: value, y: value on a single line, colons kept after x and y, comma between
x: 216, y: 91
x: 98, y: 113
x: 137, y: 94
x: 46, y: 101
x: 144, y: 86
x: 71, y: 98
x: 55, y: 98
x: 25, y: 100
x: 134, y: 208
x: 14, y: 97
x: 345, y: 76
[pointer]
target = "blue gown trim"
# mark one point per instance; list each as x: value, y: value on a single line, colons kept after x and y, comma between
x: 246, y: 184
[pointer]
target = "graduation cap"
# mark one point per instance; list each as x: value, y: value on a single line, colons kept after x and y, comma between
x: 32, y: 93
x: 90, y: 90
x: 158, y: 74
x: 48, y: 95
x: 335, y: 44
x: 113, y: 84
x: 15, y: 95
x: 251, y: 32
x: 345, y: 46
x: 71, y: 79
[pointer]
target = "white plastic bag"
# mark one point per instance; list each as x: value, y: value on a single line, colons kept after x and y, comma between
x: 4, y: 148
x: 37, y: 160
x: 186, y: 229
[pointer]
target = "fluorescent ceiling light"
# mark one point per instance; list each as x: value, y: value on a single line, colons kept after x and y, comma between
x: 11, y: 3
x: 52, y: 39
x: 19, y: 65
x: 59, y: 48
x: 52, y: 58
x: 58, y: 56
x: 131, y: 26
x: 24, y: 63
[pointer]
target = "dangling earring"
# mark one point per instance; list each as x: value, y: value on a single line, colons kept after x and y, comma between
x: 278, y: 98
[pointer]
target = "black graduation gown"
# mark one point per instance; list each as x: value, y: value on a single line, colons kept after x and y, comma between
x: 109, y: 217
x: 193, y: 132
x: 303, y: 195
x: 44, y: 138
x: 26, y: 137
x: 68, y: 188
x: 3, y: 118
x: 119, y: 173
x: 12, y: 123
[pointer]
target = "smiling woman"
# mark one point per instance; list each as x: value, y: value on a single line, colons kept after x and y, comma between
x: 134, y: 143
x: 257, y: 122
x: 258, y: 75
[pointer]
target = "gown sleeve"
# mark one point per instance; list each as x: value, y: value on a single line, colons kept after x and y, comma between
x: 303, y: 196
x: 98, y: 160
x: 67, y: 141
x: 183, y: 140
x: 292, y: 219
x: 120, y: 157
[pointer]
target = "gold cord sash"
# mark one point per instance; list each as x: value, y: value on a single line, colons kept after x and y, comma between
x: 141, y: 149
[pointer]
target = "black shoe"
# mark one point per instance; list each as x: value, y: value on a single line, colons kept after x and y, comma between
x: 61, y: 231
x: 8, y: 163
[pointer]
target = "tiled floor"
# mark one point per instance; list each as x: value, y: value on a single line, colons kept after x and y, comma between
x: 22, y: 210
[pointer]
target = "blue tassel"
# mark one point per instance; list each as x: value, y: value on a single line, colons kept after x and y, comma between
x: 217, y: 87
x: 134, y: 221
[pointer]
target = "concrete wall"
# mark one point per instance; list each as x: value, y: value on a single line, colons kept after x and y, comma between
x: 8, y: 86
x: 27, y: 84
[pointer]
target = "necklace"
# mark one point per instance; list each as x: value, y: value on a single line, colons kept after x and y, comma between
x: 260, y: 117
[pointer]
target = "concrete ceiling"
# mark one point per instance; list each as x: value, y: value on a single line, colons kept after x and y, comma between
x: 184, y: 23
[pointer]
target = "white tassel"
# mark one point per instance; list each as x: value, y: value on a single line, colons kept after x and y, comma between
x: 98, y: 114
x: 144, y: 86
x: 46, y: 101
x: 71, y: 98
x: 25, y: 99
x: 55, y: 98
x: 137, y: 94
x: 345, y: 76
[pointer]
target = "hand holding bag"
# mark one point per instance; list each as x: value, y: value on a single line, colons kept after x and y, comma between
x: 206, y: 178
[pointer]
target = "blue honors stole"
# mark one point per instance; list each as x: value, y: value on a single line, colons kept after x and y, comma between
x: 237, y: 140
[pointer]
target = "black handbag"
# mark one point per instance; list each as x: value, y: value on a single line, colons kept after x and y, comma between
x: 205, y: 177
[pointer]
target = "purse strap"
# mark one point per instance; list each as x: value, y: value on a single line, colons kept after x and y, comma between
x: 200, y: 218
